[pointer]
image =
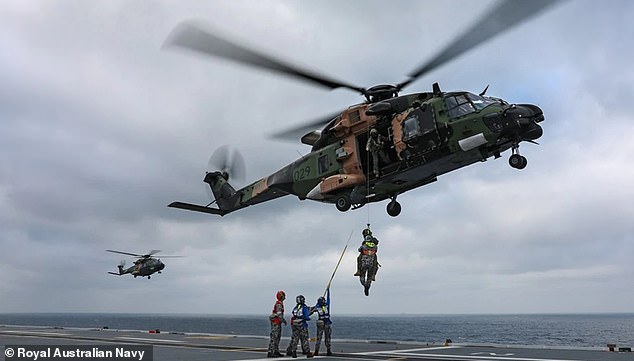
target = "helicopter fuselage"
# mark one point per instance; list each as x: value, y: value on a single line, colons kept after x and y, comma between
x: 415, y: 137
x: 148, y: 267
x: 143, y: 267
x: 426, y: 135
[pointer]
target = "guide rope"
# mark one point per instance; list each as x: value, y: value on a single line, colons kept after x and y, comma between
x: 338, y: 263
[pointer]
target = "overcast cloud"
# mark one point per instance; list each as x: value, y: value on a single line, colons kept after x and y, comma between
x: 100, y: 129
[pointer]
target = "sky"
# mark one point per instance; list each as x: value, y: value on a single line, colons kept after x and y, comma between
x: 101, y: 127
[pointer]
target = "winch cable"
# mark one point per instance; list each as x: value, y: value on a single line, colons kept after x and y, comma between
x: 367, y: 178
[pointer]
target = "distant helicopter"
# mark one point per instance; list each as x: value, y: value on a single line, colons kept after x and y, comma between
x: 145, y: 265
x: 425, y: 134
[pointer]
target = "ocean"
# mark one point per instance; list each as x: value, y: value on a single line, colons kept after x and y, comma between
x: 559, y: 330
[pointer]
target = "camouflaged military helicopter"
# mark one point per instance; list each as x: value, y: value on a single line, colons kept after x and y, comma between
x: 427, y: 134
x: 144, y: 266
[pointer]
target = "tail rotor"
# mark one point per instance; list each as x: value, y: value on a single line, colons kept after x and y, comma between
x: 229, y: 162
x: 121, y: 266
x: 224, y: 163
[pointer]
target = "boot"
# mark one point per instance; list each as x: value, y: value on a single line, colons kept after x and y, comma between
x: 328, y: 353
x: 309, y: 355
x: 277, y: 354
x: 288, y: 351
x: 269, y: 354
x: 294, y: 355
x: 316, y: 353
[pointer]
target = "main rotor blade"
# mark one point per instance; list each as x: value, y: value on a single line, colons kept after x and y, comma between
x: 507, y: 14
x: 191, y: 36
x: 298, y: 131
x: 126, y: 253
x: 152, y: 252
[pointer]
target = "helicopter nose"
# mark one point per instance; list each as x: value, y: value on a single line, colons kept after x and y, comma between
x: 530, y: 129
x: 525, y: 113
x: 521, y: 121
x: 161, y: 266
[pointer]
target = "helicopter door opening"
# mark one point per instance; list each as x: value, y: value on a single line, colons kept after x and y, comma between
x: 389, y: 153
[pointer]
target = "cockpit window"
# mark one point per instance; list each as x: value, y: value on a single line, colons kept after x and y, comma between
x: 463, y: 104
x: 480, y: 102
x: 458, y: 105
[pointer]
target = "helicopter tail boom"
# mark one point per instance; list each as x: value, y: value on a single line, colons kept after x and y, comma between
x: 226, y: 196
x: 122, y: 270
x: 229, y: 200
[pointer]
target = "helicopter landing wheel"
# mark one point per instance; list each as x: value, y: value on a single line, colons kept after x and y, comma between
x: 148, y: 277
x: 517, y: 161
x: 394, y: 208
x: 343, y: 203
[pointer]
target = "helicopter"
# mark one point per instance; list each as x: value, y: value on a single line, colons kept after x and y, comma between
x: 145, y: 265
x: 426, y: 134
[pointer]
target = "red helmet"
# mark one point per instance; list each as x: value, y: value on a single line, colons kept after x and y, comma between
x: 280, y: 295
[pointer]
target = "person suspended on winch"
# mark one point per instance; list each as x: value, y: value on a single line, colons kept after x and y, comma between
x: 369, y: 246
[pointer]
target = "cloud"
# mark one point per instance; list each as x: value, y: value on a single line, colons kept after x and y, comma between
x: 101, y: 128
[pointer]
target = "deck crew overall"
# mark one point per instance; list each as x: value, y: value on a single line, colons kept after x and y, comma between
x: 299, y: 325
x: 323, y: 323
x: 277, y: 319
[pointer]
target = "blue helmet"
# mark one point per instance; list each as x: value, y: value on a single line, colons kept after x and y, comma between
x: 321, y: 301
x: 300, y: 299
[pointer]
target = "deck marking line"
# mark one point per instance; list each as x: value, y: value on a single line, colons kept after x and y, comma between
x: 37, y: 333
x: 405, y: 351
x: 151, y: 339
x: 210, y: 337
x: 477, y: 357
x: 245, y: 349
